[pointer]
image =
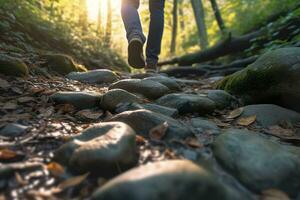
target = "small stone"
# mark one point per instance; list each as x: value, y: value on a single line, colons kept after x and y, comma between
x: 13, y: 66
x: 13, y: 130
x: 115, y: 97
x: 142, y: 121
x: 188, y: 103
x: 148, y: 88
x: 205, y: 126
x: 80, y: 100
x: 103, y: 149
x: 168, y: 180
x: 98, y: 76
x: 222, y: 98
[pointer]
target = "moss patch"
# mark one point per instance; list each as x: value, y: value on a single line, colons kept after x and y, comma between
x: 12, y: 66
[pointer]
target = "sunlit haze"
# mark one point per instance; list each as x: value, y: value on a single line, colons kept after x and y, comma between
x: 93, y: 6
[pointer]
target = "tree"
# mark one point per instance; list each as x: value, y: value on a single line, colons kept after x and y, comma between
x: 83, y: 18
x: 218, y: 16
x: 200, y: 21
x: 174, y: 27
x: 108, y: 23
x: 99, y: 22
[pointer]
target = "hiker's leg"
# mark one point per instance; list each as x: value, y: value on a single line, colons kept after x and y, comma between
x: 131, y: 19
x: 156, y: 28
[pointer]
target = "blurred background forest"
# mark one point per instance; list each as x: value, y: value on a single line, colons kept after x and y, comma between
x: 93, y: 28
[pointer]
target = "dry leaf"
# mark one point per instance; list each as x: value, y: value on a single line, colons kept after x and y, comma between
x: 25, y: 99
x: 246, y: 121
x: 280, y: 132
x: 170, y: 154
x: 193, y: 142
x: 71, y: 182
x: 235, y: 113
x: 140, y: 140
x: 89, y: 114
x: 4, y: 84
x: 158, y: 132
x: 6, y: 154
x: 56, y: 169
x: 66, y: 108
x: 274, y: 194
x: 20, y: 180
x: 10, y: 106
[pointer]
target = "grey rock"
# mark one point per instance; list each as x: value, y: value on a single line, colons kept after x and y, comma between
x: 222, y: 98
x: 269, y: 115
x: 13, y: 130
x: 142, y: 121
x: 147, y: 88
x: 168, y: 180
x: 80, y: 100
x: 146, y: 75
x: 98, y: 76
x: 188, y: 103
x: 171, y: 112
x: 205, y: 125
x: 115, y: 97
x: 259, y: 163
x: 169, y: 82
x: 102, y: 149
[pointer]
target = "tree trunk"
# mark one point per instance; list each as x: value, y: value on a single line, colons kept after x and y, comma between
x: 108, y: 23
x: 99, y: 22
x: 200, y: 21
x: 218, y: 16
x: 174, y: 27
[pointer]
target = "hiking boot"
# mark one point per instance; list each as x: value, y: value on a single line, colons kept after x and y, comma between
x: 151, y: 68
x: 135, y: 53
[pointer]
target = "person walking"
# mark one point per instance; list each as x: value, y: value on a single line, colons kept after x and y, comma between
x: 136, y: 38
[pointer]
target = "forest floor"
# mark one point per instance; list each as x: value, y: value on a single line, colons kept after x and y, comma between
x: 38, y: 127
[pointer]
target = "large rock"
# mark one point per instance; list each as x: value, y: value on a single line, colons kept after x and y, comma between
x: 62, y: 64
x: 188, y: 103
x: 169, y: 82
x: 273, y: 78
x: 147, y: 88
x: 269, y: 114
x: 168, y: 180
x: 222, y: 98
x: 98, y: 76
x: 103, y: 149
x: 259, y: 163
x: 13, y: 130
x: 171, y: 112
x: 115, y: 97
x: 12, y: 66
x: 80, y: 100
x: 142, y: 121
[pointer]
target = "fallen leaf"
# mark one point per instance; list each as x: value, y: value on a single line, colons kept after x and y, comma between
x: 71, y: 182
x: 140, y: 140
x: 66, y: 108
x: 4, y: 84
x: 170, y: 154
x: 287, y: 135
x: 10, y: 106
x: 89, y: 114
x: 274, y: 194
x: 6, y: 154
x: 193, y: 142
x: 20, y: 180
x: 56, y: 169
x: 246, y: 121
x: 25, y: 99
x: 235, y: 113
x: 158, y: 132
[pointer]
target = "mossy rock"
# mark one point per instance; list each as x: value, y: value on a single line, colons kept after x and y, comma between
x: 12, y: 66
x: 62, y: 64
x: 273, y: 78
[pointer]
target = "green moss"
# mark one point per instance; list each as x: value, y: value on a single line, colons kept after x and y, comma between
x: 60, y: 63
x: 12, y: 66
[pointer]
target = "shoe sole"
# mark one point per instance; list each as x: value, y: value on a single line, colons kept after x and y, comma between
x: 135, y: 52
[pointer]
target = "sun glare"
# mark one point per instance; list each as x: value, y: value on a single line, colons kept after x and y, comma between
x: 93, y: 8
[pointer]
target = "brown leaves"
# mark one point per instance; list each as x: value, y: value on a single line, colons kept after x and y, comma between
x: 140, y: 140
x: 25, y: 99
x: 89, y: 114
x: 158, y: 132
x: 235, y: 113
x: 287, y: 135
x: 56, y: 169
x: 274, y: 194
x: 193, y: 142
x: 7, y: 154
x: 246, y: 121
x: 71, y: 182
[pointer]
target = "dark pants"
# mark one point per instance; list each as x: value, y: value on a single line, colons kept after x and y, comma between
x: 133, y: 26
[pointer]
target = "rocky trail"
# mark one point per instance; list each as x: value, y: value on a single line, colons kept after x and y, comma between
x: 105, y: 135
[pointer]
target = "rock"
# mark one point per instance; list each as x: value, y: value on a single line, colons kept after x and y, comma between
x: 171, y: 112
x: 98, y: 76
x: 115, y: 97
x: 269, y: 115
x: 222, y: 98
x: 12, y: 66
x: 188, y: 103
x: 102, y: 149
x: 205, y: 126
x: 80, y: 100
x: 13, y: 130
x: 169, y: 82
x: 142, y: 121
x: 259, y: 163
x: 168, y: 180
x: 62, y: 64
x: 146, y: 75
x: 147, y: 88
x: 273, y: 78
